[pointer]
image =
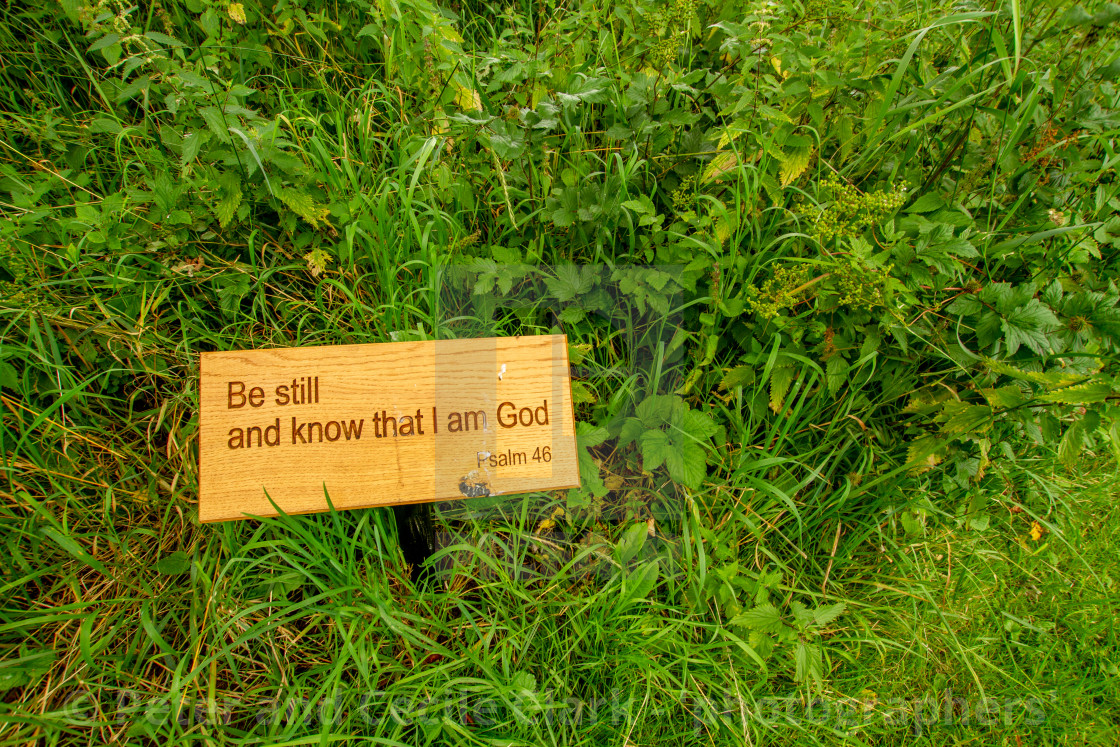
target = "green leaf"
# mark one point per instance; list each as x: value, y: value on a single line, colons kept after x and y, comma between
x: 1108, y: 14
x: 1049, y: 378
x: 961, y: 418
x: 687, y: 463
x: 231, y: 288
x: 105, y: 124
x: 1075, y: 16
x: 764, y: 618
x: 655, y: 448
x: 1080, y: 394
x: 638, y: 584
x: 215, y: 120
x: 793, y: 163
x: 192, y: 144
x: 572, y: 315
x: 1069, y: 448
x: 590, y: 478
x: 106, y: 41
x: 1004, y: 396
x: 631, y: 543
x: 26, y: 669
x: 632, y: 429
x: 571, y: 281
x: 780, y: 379
x: 226, y: 208
x: 164, y: 39
x: 658, y: 409
x: 927, y: 203
x: 9, y: 376
x: 825, y: 615
x: 506, y: 140
x: 1029, y: 325
x: 582, y: 394
x: 174, y: 564
x: 588, y: 435
x: 304, y: 205
x: 1114, y: 440
x: 697, y: 424
x: 836, y: 373
x: 808, y: 659
x: 924, y: 453
x: 737, y: 377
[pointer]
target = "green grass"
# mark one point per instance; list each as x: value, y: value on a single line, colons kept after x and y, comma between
x: 840, y: 291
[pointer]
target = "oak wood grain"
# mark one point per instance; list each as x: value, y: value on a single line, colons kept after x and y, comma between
x: 295, y: 425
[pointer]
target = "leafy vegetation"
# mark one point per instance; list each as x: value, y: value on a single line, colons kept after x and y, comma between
x: 839, y: 283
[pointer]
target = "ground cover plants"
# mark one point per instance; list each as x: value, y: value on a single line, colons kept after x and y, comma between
x: 839, y: 282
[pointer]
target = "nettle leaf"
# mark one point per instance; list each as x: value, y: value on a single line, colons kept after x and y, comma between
x: 164, y: 39
x: 216, y: 121
x: 304, y: 205
x: 764, y: 618
x: 192, y: 144
x: 737, y: 377
x: 925, y: 453
x: 226, y: 208
x: 825, y: 615
x: 780, y: 379
x: 175, y: 564
x: 1004, y: 396
x: 106, y: 41
x: 809, y: 661
x: 231, y: 287
x: 794, y: 163
x: 1080, y: 394
x: 961, y: 417
x: 1069, y: 448
x: 1048, y: 379
x: 582, y: 394
x: 588, y: 435
x: 720, y: 165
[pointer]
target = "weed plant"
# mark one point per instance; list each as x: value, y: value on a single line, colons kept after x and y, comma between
x: 839, y: 284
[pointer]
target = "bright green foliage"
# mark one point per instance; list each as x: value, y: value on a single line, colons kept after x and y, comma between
x: 669, y: 433
x: 851, y: 211
x: 840, y: 285
x: 782, y: 291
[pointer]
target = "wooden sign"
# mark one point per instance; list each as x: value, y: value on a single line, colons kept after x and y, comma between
x: 383, y: 424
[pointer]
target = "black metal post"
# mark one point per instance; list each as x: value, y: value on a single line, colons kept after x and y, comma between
x: 417, y: 537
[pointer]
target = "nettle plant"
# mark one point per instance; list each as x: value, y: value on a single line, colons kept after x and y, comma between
x: 668, y: 432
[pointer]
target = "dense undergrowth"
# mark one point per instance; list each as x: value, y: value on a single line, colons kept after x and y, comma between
x: 839, y: 283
